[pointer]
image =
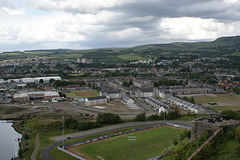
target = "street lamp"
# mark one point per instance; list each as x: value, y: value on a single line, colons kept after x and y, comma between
x: 132, y: 138
x: 63, y: 130
x: 164, y: 117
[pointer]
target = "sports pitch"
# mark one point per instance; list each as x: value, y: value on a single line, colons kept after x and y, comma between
x: 83, y: 94
x: 149, y: 143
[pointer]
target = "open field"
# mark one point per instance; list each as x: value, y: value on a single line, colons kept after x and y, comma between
x: 38, y: 53
x: 70, y: 55
x: 224, y: 101
x: 221, y: 108
x: 83, y: 94
x: 182, y: 54
x: 148, y: 144
x: 131, y: 57
x: 75, y: 75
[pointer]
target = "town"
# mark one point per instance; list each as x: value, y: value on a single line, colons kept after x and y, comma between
x: 181, y: 91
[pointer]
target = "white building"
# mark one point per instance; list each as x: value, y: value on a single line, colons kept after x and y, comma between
x: 186, y: 105
x: 111, y: 94
x: 128, y: 100
x: 34, y: 80
x: 156, y: 103
x: 2, y: 81
x: 90, y: 101
x: 42, y: 95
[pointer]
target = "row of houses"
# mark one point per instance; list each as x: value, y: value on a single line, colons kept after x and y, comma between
x: 99, y: 100
x: 160, y: 106
x: 163, y: 92
x: 186, y: 105
x: 180, y: 90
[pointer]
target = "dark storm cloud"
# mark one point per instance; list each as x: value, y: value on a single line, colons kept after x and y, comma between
x: 218, y: 9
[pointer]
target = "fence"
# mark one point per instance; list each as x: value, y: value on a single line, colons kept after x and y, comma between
x: 113, y: 135
x: 70, y: 153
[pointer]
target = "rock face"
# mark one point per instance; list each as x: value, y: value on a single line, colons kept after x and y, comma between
x: 201, y: 124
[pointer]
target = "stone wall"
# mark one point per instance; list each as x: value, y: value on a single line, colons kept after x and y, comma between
x: 201, y: 124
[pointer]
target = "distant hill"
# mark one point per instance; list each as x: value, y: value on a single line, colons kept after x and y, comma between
x: 224, y: 46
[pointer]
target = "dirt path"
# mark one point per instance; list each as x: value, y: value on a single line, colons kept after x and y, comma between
x: 33, y: 156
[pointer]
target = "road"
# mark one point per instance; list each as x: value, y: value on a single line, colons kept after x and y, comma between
x: 58, y: 139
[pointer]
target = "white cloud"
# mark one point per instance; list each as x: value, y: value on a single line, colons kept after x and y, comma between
x: 129, y: 33
x: 13, y: 11
x: 107, y: 23
x: 189, y: 28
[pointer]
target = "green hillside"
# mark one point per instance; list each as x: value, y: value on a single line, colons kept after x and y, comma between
x: 224, y: 46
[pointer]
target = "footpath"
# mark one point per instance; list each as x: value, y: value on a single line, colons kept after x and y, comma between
x: 33, y: 156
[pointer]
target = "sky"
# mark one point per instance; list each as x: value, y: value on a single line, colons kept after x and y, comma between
x: 86, y: 24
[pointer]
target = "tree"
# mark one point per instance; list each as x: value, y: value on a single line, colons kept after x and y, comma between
x: 131, y: 83
x: 108, y: 118
x: 231, y: 114
x: 69, y: 121
x: 52, y: 80
x: 192, y: 100
x: 62, y: 94
x: 236, y: 90
x: 140, y: 117
x: 41, y: 81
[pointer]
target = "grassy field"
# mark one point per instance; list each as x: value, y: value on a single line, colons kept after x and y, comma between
x: 224, y: 101
x: 70, y: 55
x: 148, y: 144
x: 59, y: 155
x: 75, y: 75
x: 217, y: 98
x: 38, y: 53
x: 131, y: 57
x: 182, y: 54
x: 82, y: 94
x: 221, y: 108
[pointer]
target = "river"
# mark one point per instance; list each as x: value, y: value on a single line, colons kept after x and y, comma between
x: 9, y: 144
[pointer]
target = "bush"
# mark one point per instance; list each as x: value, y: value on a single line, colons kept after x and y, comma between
x: 231, y: 114
x: 26, y: 136
x: 82, y: 126
x: 108, y: 118
x: 20, y: 153
x: 70, y: 121
x: 175, y: 142
x: 140, y: 117
x: 237, y: 134
x: 154, y: 117
x: 171, y: 115
x: 238, y: 149
x: 186, y: 134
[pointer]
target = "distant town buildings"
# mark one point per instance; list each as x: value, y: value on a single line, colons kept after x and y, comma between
x: 31, y: 80
x: 85, y: 60
x: 27, y: 96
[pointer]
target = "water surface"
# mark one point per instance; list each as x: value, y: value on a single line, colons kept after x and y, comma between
x: 9, y: 144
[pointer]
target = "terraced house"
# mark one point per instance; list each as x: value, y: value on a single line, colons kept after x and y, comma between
x: 91, y: 101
